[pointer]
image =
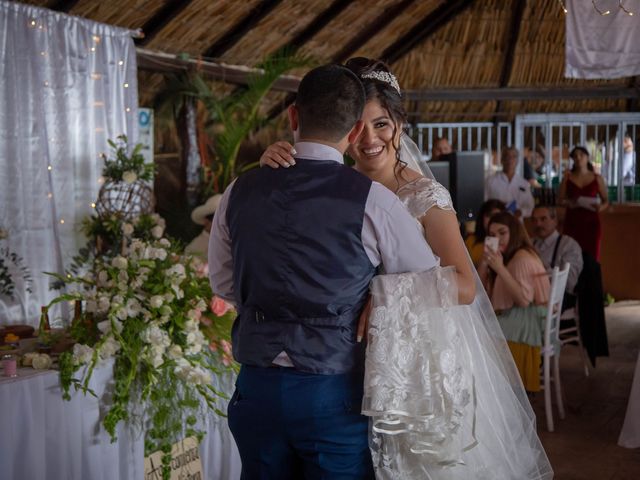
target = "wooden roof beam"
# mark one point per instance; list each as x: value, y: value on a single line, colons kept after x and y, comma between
x: 158, y: 62
x: 384, y: 19
x: 303, y: 37
x: 162, y: 17
x: 447, y: 11
x: 63, y: 6
x: 521, y: 94
x: 315, y: 26
x: 511, y: 41
x: 232, y: 36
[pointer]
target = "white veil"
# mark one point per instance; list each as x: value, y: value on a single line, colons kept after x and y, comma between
x: 507, y: 442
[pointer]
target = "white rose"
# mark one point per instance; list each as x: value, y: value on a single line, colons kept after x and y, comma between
x: 119, y: 262
x: 103, y: 304
x: 157, y: 360
x: 169, y: 297
x: 201, y: 305
x: 109, y: 348
x: 104, y: 326
x: 191, y: 325
x: 177, y: 270
x: 178, y: 292
x: 91, y: 306
x: 156, y: 301
x: 155, y: 336
x: 194, y: 349
x: 133, y: 307
x: 122, y: 314
x: 129, y: 176
x: 103, y: 277
x: 82, y: 354
x: 164, y: 242
x: 41, y: 361
x: 123, y: 276
x: 160, y: 253
x: 174, y: 352
x: 164, y: 319
x: 157, y: 231
x: 127, y: 229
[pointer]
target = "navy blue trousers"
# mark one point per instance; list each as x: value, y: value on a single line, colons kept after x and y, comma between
x: 294, y: 425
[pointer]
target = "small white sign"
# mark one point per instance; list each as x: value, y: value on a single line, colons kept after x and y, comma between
x: 185, y: 462
x: 145, y: 133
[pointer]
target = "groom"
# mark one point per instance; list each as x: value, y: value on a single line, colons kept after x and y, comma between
x: 295, y: 250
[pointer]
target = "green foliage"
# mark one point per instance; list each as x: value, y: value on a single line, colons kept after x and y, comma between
x: 122, y: 162
x: 230, y: 120
x: 12, y: 264
x: 148, y: 308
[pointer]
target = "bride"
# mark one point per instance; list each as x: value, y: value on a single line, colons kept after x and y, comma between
x: 441, y: 388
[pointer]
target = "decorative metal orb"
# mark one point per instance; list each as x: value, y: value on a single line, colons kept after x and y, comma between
x: 128, y: 200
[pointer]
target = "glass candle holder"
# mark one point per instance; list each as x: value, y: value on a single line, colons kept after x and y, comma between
x: 10, y: 365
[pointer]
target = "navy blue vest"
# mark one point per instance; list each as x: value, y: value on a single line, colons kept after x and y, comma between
x: 301, y: 274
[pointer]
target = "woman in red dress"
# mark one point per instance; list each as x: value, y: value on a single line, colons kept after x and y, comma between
x: 584, y: 194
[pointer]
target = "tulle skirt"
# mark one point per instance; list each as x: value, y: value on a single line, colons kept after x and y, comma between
x: 441, y: 389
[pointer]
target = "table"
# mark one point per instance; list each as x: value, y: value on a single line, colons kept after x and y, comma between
x: 43, y: 437
x: 630, y: 434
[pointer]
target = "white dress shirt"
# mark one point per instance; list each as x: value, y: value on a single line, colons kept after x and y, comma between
x: 390, y: 236
x: 515, y: 190
x: 568, y: 252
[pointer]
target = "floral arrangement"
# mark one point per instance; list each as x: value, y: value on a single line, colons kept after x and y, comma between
x: 150, y: 309
x: 11, y: 264
x: 126, y: 167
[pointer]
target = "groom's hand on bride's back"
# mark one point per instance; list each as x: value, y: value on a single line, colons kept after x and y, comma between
x: 279, y: 154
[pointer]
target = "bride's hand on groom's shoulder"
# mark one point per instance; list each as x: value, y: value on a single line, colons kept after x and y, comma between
x: 279, y: 154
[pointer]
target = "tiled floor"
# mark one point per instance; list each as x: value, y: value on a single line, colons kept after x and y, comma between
x: 584, y: 444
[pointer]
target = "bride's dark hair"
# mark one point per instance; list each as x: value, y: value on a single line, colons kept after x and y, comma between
x: 382, y: 91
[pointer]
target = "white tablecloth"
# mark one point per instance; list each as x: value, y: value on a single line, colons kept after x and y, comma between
x: 630, y: 434
x: 43, y: 437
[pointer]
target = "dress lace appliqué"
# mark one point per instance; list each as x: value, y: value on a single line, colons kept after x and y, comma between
x: 418, y: 387
x: 423, y: 194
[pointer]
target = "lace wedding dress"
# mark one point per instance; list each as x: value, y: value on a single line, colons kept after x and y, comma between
x: 443, y: 394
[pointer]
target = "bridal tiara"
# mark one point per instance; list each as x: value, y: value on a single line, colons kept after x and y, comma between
x: 385, y: 77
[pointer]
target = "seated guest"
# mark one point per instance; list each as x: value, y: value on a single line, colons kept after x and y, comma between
x: 556, y: 250
x: 510, y: 187
x: 475, y: 241
x: 203, y: 215
x: 518, y: 286
x: 441, y: 147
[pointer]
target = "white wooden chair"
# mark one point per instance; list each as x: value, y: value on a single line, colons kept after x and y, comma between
x: 572, y: 334
x: 552, y: 345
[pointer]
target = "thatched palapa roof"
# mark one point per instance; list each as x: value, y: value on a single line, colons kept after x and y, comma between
x: 455, y: 59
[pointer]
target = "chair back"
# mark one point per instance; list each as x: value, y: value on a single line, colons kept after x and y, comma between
x: 554, y: 308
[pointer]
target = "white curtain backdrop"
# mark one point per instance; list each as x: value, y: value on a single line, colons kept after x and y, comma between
x: 66, y: 86
x: 602, y: 46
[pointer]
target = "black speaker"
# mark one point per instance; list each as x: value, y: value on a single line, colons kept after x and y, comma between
x: 462, y: 173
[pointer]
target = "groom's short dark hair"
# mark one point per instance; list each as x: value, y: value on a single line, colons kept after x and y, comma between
x: 330, y: 101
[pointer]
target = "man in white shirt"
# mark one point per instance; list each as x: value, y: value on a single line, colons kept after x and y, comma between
x: 295, y: 250
x: 554, y: 249
x: 510, y: 187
